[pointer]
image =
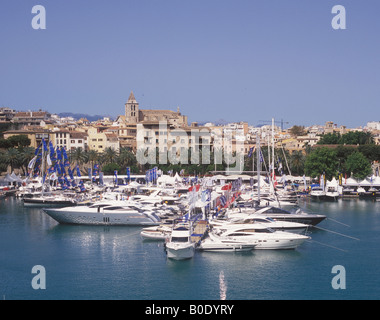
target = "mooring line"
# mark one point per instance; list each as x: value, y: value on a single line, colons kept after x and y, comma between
x: 341, y: 234
x: 339, y: 222
x: 323, y: 244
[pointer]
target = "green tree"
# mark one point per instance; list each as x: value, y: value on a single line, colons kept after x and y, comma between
x: 358, y: 165
x: 109, y: 168
x: 296, y: 131
x: 322, y: 160
x: 25, y: 155
x: 109, y: 155
x: 126, y: 158
x: 330, y: 138
x: 297, y: 162
x: 92, y: 157
x: 78, y: 156
x: 19, y: 141
x: 12, y: 158
x: 357, y: 137
x: 370, y: 151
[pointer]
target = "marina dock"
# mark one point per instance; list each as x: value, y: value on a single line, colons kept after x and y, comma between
x: 200, y: 231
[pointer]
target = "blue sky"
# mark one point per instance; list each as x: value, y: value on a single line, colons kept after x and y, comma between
x: 215, y: 59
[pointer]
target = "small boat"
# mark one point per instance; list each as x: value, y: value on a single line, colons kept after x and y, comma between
x: 215, y: 243
x: 367, y: 194
x: 317, y: 193
x: 180, y: 245
x: 161, y: 232
x: 332, y: 194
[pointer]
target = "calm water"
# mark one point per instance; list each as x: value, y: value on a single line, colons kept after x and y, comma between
x: 84, y: 262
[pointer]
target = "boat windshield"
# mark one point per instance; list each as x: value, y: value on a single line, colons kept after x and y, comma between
x: 180, y: 239
x: 98, y: 205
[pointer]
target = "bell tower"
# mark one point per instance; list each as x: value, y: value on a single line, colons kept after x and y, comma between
x: 132, y: 109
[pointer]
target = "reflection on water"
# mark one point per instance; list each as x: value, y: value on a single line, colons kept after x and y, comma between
x: 223, y: 286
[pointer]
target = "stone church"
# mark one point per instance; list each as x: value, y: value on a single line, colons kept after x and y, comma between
x: 134, y: 115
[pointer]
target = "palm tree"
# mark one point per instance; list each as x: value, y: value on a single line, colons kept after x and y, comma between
x: 26, y: 154
x: 12, y: 158
x: 126, y: 158
x: 109, y: 155
x: 78, y: 156
x: 297, y: 162
x: 92, y: 156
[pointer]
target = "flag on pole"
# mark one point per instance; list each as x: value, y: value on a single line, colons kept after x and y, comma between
x: 78, y: 172
x: 32, y: 162
x: 251, y: 151
x: 44, y: 145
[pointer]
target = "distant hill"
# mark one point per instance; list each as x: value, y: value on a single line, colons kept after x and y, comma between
x: 78, y: 116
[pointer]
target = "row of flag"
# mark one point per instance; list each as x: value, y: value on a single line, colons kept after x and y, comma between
x: 56, y: 166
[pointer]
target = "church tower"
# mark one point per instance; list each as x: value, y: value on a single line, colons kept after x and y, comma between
x: 132, y: 109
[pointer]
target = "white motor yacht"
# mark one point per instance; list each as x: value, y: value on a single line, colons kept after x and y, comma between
x: 332, y: 193
x: 236, y: 219
x: 280, y: 214
x: 215, y: 243
x: 105, y: 213
x: 180, y: 245
x: 317, y: 193
x: 263, y: 237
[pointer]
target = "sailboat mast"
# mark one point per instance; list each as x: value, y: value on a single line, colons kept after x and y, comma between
x: 258, y: 166
x: 43, y: 168
x: 273, y: 149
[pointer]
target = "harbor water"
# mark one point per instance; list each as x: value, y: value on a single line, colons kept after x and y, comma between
x: 96, y: 262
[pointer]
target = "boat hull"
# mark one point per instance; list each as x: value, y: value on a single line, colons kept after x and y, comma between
x: 309, y: 219
x: 177, y: 252
x: 226, y: 247
x: 279, y: 244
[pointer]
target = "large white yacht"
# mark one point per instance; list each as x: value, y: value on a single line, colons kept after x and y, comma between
x: 294, y: 227
x: 263, y: 237
x: 280, y: 214
x: 106, y: 213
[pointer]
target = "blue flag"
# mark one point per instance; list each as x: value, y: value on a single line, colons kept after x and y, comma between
x: 251, y: 152
x: 59, y: 155
x: 78, y: 172
x: 44, y: 145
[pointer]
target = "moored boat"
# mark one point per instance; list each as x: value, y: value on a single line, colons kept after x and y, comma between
x: 215, y: 243
x: 105, y: 213
x: 180, y: 246
x: 264, y: 238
